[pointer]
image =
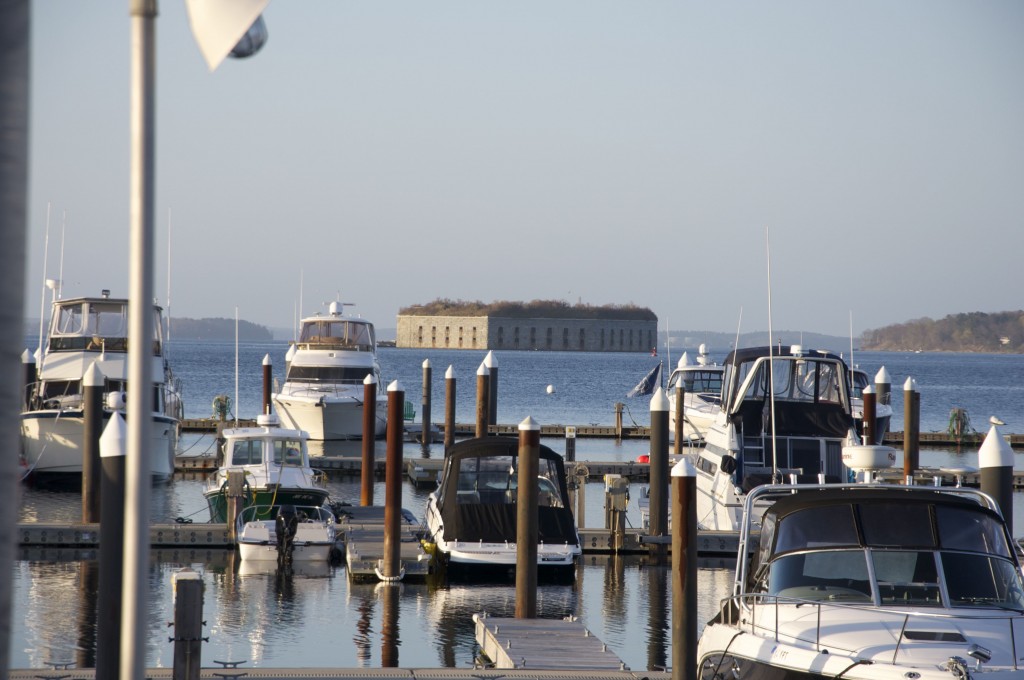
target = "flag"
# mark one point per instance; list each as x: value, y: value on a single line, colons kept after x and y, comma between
x: 650, y: 383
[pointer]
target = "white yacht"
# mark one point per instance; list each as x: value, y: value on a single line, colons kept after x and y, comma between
x: 870, y: 582
x: 702, y: 394
x: 785, y: 411
x: 287, y: 533
x: 82, y: 331
x: 323, y: 388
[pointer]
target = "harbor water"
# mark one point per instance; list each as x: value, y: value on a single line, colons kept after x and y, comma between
x: 316, y: 617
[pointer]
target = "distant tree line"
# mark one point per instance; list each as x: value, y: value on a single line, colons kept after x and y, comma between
x: 543, y: 309
x: 971, y: 332
x: 218, y: 329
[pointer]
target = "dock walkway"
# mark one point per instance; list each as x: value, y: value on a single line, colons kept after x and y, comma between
x: 216, y: 673
x: 549, y: 644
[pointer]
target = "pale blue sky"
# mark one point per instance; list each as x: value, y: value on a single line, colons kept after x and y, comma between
x: 614, y: 152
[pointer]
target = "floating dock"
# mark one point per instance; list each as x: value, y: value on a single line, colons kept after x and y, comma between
x: 217, y: 673
x: 548, y: 644
x: 362, y: 531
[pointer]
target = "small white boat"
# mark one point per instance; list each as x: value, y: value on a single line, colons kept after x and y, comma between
x: 287, y: 533
x: 83, y: 331
x: 472, y: 516
x: 870, y: 582
x: 323, y: 388
x: 702, y: 394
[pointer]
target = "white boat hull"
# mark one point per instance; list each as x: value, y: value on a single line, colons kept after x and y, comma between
x: 313, y: 541
x: 53, y: 441
x: 328, y: 417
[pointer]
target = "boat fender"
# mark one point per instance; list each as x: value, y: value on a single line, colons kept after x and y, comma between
x: 728, y: 465
x: 643, y: 458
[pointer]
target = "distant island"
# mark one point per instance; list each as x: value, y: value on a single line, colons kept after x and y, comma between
x: 972, y: 332
x: 537, y: 309
x: 218, y: 329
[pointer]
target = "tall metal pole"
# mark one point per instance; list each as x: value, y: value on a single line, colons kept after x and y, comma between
x: 392, y: 561
x: 92, y: 429
x: 268, y: 377
x: 911, y: 402
x: 14, y: 97
x: 995, y: 463
x: 140, y: 337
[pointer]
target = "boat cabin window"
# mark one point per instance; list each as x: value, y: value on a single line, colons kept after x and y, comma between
x: 247, y: 452
x: 897, y: 524
x: 495, y: 480
x: 697, y: 381
x: 328, y: 374
x: 804, y: 380
x: 860, y: 381
x: 822, y: 575
x: 961, y: 529
x: 340, y: 333
x: 289, y: 452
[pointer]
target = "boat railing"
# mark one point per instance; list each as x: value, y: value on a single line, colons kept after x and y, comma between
x: 733, y: 606
x: 317, y: 342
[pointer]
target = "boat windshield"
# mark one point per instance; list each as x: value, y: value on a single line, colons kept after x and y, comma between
x: 860, y: 381
x: 797, y: 379
x: 495, y: 480
x: 701, y: 381
x: 346, y: 333
x: 288, y: 452
x: 96, y: 325
x: 329, y: 374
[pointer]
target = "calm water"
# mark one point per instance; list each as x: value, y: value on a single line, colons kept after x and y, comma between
x: 320, y: 619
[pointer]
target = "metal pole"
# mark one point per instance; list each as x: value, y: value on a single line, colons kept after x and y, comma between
x: 659, y: 471
x: 15, y: 32
x: 526, y: 519
x: 188, y: 624
x: 449, y: 408
x: 910, y: 434
x: 140, y: 337
x: 391, y: 569
x: 684, y: 571
x: 268, y: 373
x: 92, y: 420
x: 995, y: 461
x: 111, y: 552
x: 482, y: 393
x: 369, y: 439
x: 425, y: 436
x: 492, y: 388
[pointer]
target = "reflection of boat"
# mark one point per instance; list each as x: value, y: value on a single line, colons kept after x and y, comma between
x: 471, y: 517
x: 836, y: 588
x: 323, y: 389
x: 883, y: 412
x: 275, y: 465
x: 799, y: 427
x: 305, y: 569
x: 702, y: 394
x: 292, y: 533
x: 83, y: 331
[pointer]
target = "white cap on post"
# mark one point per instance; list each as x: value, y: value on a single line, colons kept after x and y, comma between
x: 426, y: 363
x: 882, y: 377
x: 659, y: 402
x: 995, y: 452
x: 395, y: 386
x: 490, y: 361
x: 370, y: 379
x: 450, y: 373
x: 529, y: 424
x: 683, y: 469
x: 910, y: 385
x: 112, y: 439
x: 483, y: 370
x: 266, y: 360
x: 93, y: 376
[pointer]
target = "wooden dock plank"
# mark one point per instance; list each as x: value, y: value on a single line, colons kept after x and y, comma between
x: 543, y: 644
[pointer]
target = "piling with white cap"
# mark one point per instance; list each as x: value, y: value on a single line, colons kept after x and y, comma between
x: 369, y: 439
x: 883, y: 387
x: 684, y: 570
x: 268, y: 373
x: 995, y: 462
x: 111, y: 551
x: 491, y: 362
x: 449, y: 408
x: 482, y: 397
x: 911, y: 427
x: 28, y: 369
x: 391, y: 562
x: 659, y: 470
x: 869, y: 431
x: 92, y: 429
x: 527, y: 530
x: 425, y: 435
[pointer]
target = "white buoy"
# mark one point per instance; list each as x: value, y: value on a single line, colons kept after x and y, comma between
x: 551, y: 389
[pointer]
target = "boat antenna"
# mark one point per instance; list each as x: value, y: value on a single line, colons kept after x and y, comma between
x: 851, y: 339
x: 771, y: 359
x: 168, y: 315
x: 42, y: 293
x: 735, y: 347
x: 668, y: 346
x: 60, y: 271
x: 236, y: 366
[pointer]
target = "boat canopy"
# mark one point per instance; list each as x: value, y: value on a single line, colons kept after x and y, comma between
x: 96, y: 324
x: 341, y: 333
x: 479, y: 490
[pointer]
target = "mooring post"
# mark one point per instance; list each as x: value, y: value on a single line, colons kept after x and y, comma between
x: 995, y: 462
x: 659, y: 471
x: 684, y: 571
x: 582, y: 473
x: 28, y: 371
x: 526, y: 519
x: 391, y: 567
x: 92, y: 417
x: 868, y: 412
x: 570, y: 444
x: 111, y: 552
x: 618, y: 419
x: 368, y: 464
x: 449, y: 408
x: 188, y: 624
x: 491, y: 362
x: 883, y: 394
x: 268, y: 376
x: 234, y: 498
x: 911, y: 424
x: 680, y: 427
x: 426, y: 437
x: 482, y: 394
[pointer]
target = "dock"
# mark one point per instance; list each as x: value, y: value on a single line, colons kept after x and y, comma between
x: 548, y: 644
x: 220, y: 673
x: 362, y: 531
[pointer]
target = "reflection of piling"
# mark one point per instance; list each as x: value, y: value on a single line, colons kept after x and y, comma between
x: 449, y: 408
x: 526, y: 519
x: 482, y: 394
x: 234, y: 499
x: 268, y: 373
x: 88, y: 588
x: 391, y: 562
x: 389, y: 625
x: 92, y: 417
x: 869, y: 434
x: 684, y: 571
x: 677, y: 447
x: 995, y: 463
x: 369, y: 437
x: 425, y: 436
x: 911, y: 428
x: 111, y: 552
x: 657, y: 619
x: 659, y: 471
x: 491, y: 362
x: 188, y: 624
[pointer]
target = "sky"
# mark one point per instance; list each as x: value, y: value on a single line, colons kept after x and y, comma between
x: 868, y: 154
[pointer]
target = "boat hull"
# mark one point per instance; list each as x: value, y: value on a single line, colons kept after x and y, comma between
x: 52, y: 442
x: 329, y: 418
x: 313, y: 542
x: 216, y: 499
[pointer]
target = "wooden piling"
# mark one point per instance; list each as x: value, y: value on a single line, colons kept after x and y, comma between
x: 369, y: 438
x: 680, y: 427
x: 391, y: 562
x: 188, y: 624
x: 869, y: 424
x: 659, y: 471
x: 111, y: 552
x: 684, y: 571
x: 911, y: 428
x: 570, y: 444
x: 526, y: 519
x: 482, y: 395
x: 491, y: 362
x: 618, y: 419
x: 28, y: 370
x: 235, y: 498
x: 995, y: 463
x: 92, y: 429
x: 449, y: 408
x: 425, y: 436
x: 268, y: 372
